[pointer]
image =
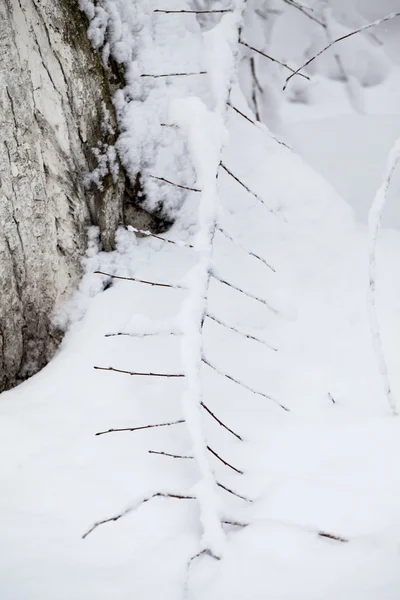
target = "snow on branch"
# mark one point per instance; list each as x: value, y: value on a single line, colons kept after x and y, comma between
x: 236, y: 435
x: 183, y: 187
x: 239, y: 332
x: 136, y: 373
x: 339, y: 39
x: 374, y: 224
x: 142, y: 427
x: 246, y: 187
x: 242, y: 291
x: 193, y: 12
x: 134, y: 506
x: 275, y: 60
x: 206, y: 134
x: 305, y: 10
x: 153, y: 283
x: 243, y: 385
x: 249, y: 252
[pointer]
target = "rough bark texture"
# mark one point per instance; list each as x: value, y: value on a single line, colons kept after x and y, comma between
x: 53, y: 90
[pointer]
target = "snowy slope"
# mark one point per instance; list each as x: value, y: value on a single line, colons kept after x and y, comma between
x: 329, y: 465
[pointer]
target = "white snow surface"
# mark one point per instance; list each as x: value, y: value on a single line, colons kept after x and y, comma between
x: 329, y: 465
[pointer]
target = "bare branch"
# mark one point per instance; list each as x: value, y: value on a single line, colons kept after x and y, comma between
x: 304, y: 10
x: 142, y: 427
x: 224, y: 461
x: 173, y: 74
x: 242, y: 291
x: 239, y: 332
x: 165, y: 285
x: 170, y: 375
x: 239, y: 112
x: 249, y: 252
x: 339, y: 39
x: 275, y: 60
x: 235, y: 523
x: 233, y: 493
x: 109, y: 335
x: 331, y: 536
x: 133, y: 507
x: 221, y: 422
x: 158, y: 237
x: 196, y: 12
x: 246, y: 187
x: 257, y: 393
x: 170, y: 455
x: 183, y: 187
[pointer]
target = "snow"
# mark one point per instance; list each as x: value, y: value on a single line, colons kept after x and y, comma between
x: 323, y: 520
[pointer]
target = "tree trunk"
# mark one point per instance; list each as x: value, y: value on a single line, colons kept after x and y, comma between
x: 54, y: 95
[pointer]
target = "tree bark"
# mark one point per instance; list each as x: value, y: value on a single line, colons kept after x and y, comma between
x: 54, y: 94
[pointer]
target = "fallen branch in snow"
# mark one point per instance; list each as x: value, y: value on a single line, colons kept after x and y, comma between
x: 142, y: 427
x: 331, y: 398
x: 170, y: 455
x: 221, y: 422
x: 223, y: 487
x: 275, y: 60
x: 224, y: 462
x: 332, y: 536
x: 238, y: 382
x: 155, y: 75
x: 374, y: 223
x: 246, y: 187
x: 239, y: 332
x: 196, y: 12
x: 134, y: 507
x: 138, y: 373
x: 165, y: 285
x: 183, y: 187
x: 242, y: 291
x: 249, y: 252
x: 339, y: 39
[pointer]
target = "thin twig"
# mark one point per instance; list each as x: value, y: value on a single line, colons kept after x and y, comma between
x: 249, y: 252
x: 248, y: 294
x: 234, y: 523
x: 233, y: 493
x: 239, y: 112
x: 142, y: 427
x: 196, y: 12
x: 275, y: 60
x: 170, y: 455
x: 135, y: 373
x: 304, y: 10
x: 147, y: 334
x: 148, y: 233
x: 257, y: 393
x: 133, y: 507
x: 246, y: 187
x: 339, y: 39
x: 221, y: 422
x: 184, y: 187
x: 155, y: 75
x: 331, y: 536
x: 165, y: 285
x: 224, y: 462
x: 239, y: 332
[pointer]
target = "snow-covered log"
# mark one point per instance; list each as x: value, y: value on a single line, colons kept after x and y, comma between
x: 55, y: 108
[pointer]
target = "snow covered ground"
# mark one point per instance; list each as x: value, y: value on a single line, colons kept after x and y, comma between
x: 329, y: 466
